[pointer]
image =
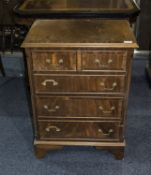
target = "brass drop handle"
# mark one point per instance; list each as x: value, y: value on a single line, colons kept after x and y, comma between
x: 51, y: 110
x: 108, y: 133
x: 114, y: 84
x: 49, y: 128
x: 107, y: 111
x: 54, y: 83
x: 98, y: 62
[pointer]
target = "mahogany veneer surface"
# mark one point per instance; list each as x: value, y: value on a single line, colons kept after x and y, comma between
x: 79, y: 73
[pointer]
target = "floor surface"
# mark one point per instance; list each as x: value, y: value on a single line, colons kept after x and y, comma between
x: 16, y: 151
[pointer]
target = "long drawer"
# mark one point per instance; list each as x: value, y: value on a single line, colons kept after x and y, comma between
x: 80, y: 84
x: 79, y: 107
x: 54, y: 130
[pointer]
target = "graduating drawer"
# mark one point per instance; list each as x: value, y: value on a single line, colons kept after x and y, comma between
x: 46, y: 60
x: 80, y: 84
x: 104, y: 60
x: 79, y: 107
x: 70, y: 130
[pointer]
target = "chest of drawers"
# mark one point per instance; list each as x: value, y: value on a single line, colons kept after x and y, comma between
x: 79, y: 74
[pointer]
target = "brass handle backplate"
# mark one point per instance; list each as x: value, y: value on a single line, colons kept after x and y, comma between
x: 114, y: 85
x: 107, y: 111
x: 98, y: 62
x: 54, y: 83
x: 48, y: 61
x: 52, y: 109
x: 108, y: 133
x: 49, y: 128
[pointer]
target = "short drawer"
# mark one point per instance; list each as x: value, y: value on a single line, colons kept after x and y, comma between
x: 79, y: 107
x: 68, y: 130
x: 81, y: 84
x: 54, y: 60
x: 104, y: 60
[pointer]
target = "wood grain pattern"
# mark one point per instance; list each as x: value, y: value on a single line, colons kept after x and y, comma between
x: 47, y: 60
x: 79, y: 84
x: 82, y: 100
x: 104, y: 60
x: 80, y: 33
x: 66, y: 60
x: 50, y: 130
x: 79, y: 107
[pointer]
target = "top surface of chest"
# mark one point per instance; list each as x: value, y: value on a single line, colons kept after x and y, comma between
x: 80, y: 33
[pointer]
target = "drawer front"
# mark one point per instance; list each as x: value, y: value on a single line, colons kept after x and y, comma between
x: 104, y: 60
x: 50, y: 130
x: 79, y: 84
x: 78, y: 107
x: 54, y: 61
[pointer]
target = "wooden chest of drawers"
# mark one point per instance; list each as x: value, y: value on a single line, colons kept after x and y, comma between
x: 79, y: 72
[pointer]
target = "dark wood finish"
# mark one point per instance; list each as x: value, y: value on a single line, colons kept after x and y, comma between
x: 103, y: 60
x: 41, y: 151
x: 47, y: 60
x: 69, y: 130
x: 118, y: 152
x: 66, y: 5
x: 79, y: 102
x: 65, y: 60
x: 67, y: 84
x: 82, y: 33
x: 42, y: 147
x: 79, y: 107
x: 79, y: 8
